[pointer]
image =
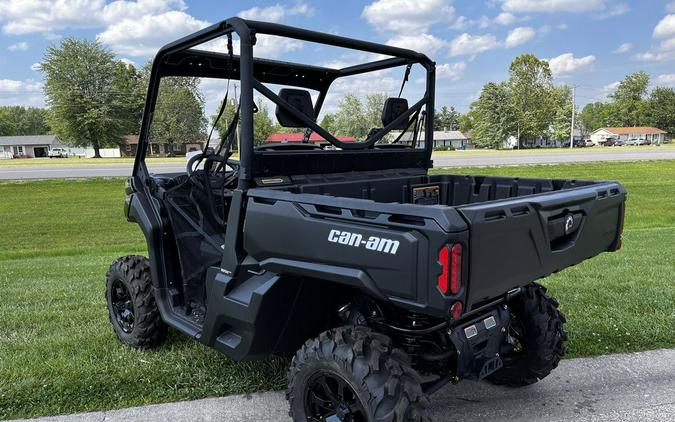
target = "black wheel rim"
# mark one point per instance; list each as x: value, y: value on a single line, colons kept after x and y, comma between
x: 330, y: 398
x: 122, y: 306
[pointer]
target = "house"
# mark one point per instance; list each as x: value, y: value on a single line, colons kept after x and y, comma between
x: 159, y: 149
x: 314, y: 138
x: 443, y: 139
x: 26, y: 146
x: 655, y: 135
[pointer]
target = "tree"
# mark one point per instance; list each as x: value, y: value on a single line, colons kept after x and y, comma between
x: 629, y: 100
x: 467, y: 121
x: 87, y: 104
x: 373, y: 109
x: 596, y: 115
x: 446, y: 119
x: 350, y: 119
x: 493, y: 116
x: 561, y: 124
x: 530, y: 84
x: 19, y: 120
x: 263, y: 126
x: 661, y: 109
x: 353, y: 118
x: 131, y: 87
x: 179, y: 112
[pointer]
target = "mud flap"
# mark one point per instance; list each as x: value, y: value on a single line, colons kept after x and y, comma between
x: 478, y: 343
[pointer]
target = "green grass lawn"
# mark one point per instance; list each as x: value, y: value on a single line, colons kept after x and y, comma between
x: 58, y: 353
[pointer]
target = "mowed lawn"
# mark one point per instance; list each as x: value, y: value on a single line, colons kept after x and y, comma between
x: 58, y: 353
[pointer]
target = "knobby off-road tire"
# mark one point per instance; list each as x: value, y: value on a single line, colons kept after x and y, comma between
x: 380, y: 377
x: 129, y: 288
x: 543, y: 339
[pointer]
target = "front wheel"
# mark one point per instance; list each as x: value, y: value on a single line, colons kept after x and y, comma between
x: 131, y: 302
x: 537, y: 336
x: 354, y: 374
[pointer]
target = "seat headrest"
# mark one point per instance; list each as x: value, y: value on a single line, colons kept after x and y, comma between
x: 393, y: 108
x: 300, y: 100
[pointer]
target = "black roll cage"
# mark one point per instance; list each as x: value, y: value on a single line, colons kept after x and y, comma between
x: 180, y: 59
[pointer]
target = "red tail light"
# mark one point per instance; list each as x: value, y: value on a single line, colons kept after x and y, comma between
x: 450, y: 259
x: 455, y: 268
x: 444, y: 258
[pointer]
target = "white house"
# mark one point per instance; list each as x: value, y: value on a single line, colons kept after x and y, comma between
x: 37, y: 146
x: 26, y: 146
x: 655, y: 135
x: 442, y: 139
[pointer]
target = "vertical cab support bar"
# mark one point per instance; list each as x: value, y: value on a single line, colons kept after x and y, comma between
x: 247, y: 39
x: 431, y: 100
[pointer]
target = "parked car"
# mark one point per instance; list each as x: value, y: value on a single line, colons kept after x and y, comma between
x: 609, y: 142
x: 619, y: 143
x: 57, y: 153
x: 645, y: 142
x: 578, y: 143
x: 589, y: 143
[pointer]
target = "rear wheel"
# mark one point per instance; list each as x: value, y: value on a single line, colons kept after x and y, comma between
x: 537, y: 337
x: 131, y: 302
x: 354, y: 374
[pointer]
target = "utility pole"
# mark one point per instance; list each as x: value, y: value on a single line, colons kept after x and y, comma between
x: 574, y: 92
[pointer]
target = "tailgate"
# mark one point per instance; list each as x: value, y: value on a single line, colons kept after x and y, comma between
x: 516, y: 241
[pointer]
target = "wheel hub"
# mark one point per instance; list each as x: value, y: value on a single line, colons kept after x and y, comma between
x: 330, y: 398
x: 122, y: 306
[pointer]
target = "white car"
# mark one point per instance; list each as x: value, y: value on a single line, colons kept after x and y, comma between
x: 57, y: 153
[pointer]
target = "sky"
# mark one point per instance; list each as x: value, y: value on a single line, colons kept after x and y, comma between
x: 589, y: 43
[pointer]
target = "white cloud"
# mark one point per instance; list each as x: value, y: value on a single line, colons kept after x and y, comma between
x: 23, y: 17
x: 505, y: 18
x: 20, y: 46
x: 614, y: 10
x: 666, y: 80
x: 450, y: 71
x: 665, y: 50
x: 611, y: 87
x: 28, y: 92
x: 276, y: 12
x: 519, y: 36
x: 143, y: 36
x: 553, y: 6
x: 655, y: 56
x: 666, y: 27
x: 461, y: 23
x: 48, y: 16
x: 467, y: 44
x: 567, y: 63
x: 423, y: 43
x: 407, y: 15
x: 36, y: 67
x: 623, y: 48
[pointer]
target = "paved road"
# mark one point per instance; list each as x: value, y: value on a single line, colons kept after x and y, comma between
x: 630, y: 387
x: 492, y: 159
x: 469, y: 159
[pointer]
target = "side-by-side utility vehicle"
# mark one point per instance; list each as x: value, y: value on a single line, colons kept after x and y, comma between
x: 380, y: 280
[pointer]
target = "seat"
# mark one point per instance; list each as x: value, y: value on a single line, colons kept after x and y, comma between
x: 393, y: 108
x: 298, y: 99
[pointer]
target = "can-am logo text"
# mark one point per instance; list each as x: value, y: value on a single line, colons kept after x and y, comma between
x: 373, y: 243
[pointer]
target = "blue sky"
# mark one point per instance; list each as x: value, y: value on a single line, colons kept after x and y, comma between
x: 590, y: 43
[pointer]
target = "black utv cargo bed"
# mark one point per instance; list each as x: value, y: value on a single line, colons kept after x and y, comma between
x: 516, y: 230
